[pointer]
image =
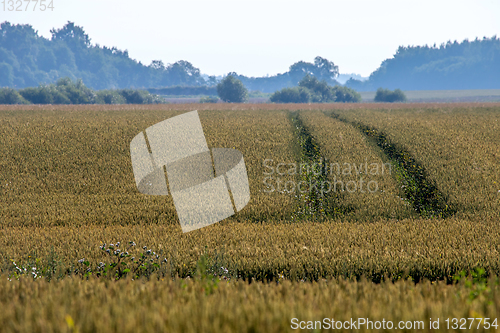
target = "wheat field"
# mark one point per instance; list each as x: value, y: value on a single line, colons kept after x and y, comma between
x: 67, y: 188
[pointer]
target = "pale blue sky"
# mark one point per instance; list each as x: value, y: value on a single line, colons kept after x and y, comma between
x: 256, y: 38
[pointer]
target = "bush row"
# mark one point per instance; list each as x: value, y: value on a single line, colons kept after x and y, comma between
x: 65, y: 91
x: 311, y: 90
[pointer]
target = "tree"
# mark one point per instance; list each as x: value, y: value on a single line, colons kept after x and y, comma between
x: 46, y: 60
x: 157, y: 65
x: 300, y: 69
x: 183, y: 73
x: 19, y: 38
x: 71, y: 34
x: 322, y: 68
x: 64, y: 56
x: 231, y: 90
x: 320, y: 91
x: 326, y: 70
x: 212, y: 81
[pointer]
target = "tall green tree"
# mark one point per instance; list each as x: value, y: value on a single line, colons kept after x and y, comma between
x: 72, y: 35
x: 231, y: 90
x: 322, y: 69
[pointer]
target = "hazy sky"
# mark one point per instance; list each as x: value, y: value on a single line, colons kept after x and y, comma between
x: 256, y: 38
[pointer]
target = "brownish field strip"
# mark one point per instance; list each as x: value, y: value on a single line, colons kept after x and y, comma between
x: 244, y: 106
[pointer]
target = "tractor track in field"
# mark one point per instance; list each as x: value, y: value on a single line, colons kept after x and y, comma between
x: 421, y: 192
x: 316, y: 203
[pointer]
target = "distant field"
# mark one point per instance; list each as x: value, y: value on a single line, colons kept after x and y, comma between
x: 191, y: 99
x: 394, y: 253
x: 484, y: 95
x: 414, y: 96
x: 253, y: 98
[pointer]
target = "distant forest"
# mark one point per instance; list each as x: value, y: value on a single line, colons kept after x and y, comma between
x: 28, y: 60
x: 466, y: 65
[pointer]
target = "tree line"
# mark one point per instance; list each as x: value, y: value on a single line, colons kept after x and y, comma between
x: 466, y: 65
x: 27, y: 60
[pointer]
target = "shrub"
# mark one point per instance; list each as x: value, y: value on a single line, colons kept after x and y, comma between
x: 58, y: 97
x: 140, y: 97
x: 11, y: 96
x: 77, y: 92
x: 36, y: 95
x: 385, y: 95
x: 110, y: 97
x: 291, y: 95
x: 133, y: 96
x: 231, y: 90
x: 209, y: 99
x: 346, y: 95
x: 44, y: 95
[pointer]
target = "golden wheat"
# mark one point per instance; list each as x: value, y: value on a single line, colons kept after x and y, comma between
x: 72, y: 305
x: 67, y: 186
x: 366, y: 181
x: 458, y: 146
